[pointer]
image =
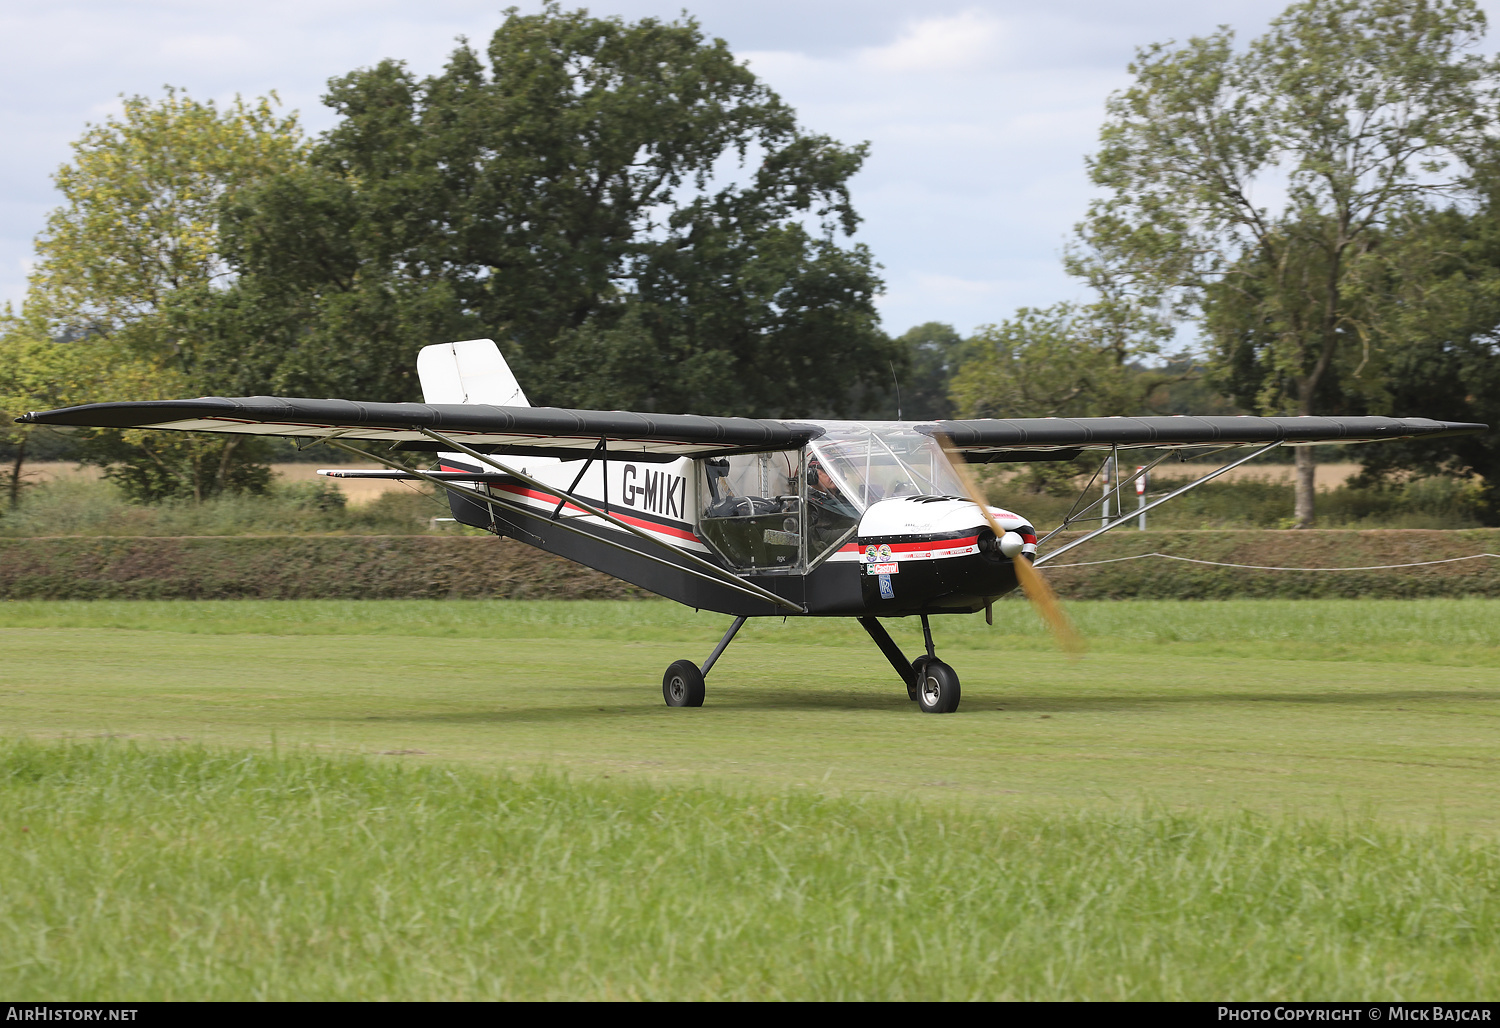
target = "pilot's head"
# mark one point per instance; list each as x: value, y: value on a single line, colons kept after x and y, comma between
x: 818, y: 477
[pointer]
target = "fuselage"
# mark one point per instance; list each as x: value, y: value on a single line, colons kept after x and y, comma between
x: 866, y: 519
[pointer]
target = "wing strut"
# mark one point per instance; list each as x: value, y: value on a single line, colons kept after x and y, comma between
x: 599, y: 450
x: 1114, y: 494
x: 1157, y: 503
x: 473, y: 495
x: 716, y: 573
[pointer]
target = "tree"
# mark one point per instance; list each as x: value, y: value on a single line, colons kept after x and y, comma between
x: 1361, y: 113
x: 139, y: 222
x: 129, y: 262
x: 1067, y: 360
x: 634, y: 216
x: 1040, y: 364
x: 933, y: 351
x: 37, y: 374
x: 1440, y: 309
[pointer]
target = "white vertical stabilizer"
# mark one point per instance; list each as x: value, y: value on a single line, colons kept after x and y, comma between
x: 472, y: 371
x: 468, y: 372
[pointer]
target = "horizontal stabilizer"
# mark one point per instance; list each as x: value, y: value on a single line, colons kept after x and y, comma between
x: 402, y: 476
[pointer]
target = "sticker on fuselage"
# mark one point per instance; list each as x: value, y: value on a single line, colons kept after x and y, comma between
x: 883, y: 570
x: 886, y: 591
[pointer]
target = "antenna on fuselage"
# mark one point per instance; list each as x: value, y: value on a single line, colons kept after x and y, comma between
x: 897, y: 381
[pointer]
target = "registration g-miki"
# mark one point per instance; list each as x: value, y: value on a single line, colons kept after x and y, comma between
x: 750, y: 518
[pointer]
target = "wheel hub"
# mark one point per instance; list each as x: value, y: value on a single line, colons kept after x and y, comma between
x: 932, y: 689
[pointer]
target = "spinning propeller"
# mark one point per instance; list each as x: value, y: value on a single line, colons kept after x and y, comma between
x: 1032, y: 583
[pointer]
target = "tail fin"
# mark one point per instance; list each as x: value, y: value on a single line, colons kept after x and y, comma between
x: 468, y: 372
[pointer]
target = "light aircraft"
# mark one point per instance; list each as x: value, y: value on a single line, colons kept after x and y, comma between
x: 747, y: 517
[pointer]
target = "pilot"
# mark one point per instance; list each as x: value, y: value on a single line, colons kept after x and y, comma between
x: 829, y: 513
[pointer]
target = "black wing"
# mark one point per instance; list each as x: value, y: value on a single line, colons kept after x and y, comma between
x: 555, y: 431
x: 1024, y: 439
x: 546, y: 431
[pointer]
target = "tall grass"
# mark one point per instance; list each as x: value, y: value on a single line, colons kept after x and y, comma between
x: 1431, y: 503
x: 94, y: 507
x: 84, y: 507
x: 194, y: 874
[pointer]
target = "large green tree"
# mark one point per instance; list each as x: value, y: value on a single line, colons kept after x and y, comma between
x: 633, y: 215
x: 1251, y: 187
x: 137, y: 233
x: 38, y: 373
x: 128, y: 263
x: 1439, y: 312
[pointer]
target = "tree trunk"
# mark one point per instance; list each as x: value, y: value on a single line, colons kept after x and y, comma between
x: 1305, y: 485
x: 15, y: 471
x: 222, y: 476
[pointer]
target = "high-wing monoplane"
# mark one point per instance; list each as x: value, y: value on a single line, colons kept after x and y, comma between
x: 747, y: 517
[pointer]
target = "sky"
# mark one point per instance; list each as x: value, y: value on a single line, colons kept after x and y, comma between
x: 979, y: 114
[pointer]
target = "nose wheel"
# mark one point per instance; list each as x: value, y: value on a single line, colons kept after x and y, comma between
x: 937, y: 687
x: 930, y: 683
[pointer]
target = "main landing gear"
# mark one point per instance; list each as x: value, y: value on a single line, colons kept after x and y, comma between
x: 931, y: 683
x: 683, y: 684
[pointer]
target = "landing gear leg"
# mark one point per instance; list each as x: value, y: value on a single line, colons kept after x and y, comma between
x: 937, y: 683
x: 930, y: 682
x: 904, y: 668
x: 683, y: 684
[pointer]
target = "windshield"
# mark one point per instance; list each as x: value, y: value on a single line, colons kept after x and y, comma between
x: 873, y: 462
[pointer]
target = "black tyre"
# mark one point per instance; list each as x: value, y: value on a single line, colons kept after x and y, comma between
x: 937, y: 689
x: 682, y: 685
x: 918, y: 669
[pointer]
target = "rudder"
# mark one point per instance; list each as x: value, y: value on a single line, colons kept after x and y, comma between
x: 471, y: 371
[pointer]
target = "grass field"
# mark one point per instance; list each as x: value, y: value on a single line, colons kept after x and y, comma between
x: 480, y: 799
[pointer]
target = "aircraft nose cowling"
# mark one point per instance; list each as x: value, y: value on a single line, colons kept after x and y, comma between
x: 937, y: 553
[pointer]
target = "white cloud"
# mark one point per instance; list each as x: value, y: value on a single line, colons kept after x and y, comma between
x: 951, y: 45
x: 191, y: 49
x: 953, y: 287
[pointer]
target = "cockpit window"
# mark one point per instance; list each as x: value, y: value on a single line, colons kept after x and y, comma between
x: 759, y: 513
x: 875, y: 463
x: 752, y: 508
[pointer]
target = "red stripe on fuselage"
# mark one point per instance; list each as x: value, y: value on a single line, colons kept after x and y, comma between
x: 930, y: 544
x: 650, y: 526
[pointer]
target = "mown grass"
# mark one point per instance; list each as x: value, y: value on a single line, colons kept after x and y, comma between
x: 1307, y: 709
x: 193, y: 873
x: 1448, y: 631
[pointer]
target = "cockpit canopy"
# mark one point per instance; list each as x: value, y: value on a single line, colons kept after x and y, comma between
x: 873, y: 462
x: 786, y: 509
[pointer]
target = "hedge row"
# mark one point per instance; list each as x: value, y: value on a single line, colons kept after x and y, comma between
x: 380, y: 567
x: 472, y: 567
x: 1159, y: 579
